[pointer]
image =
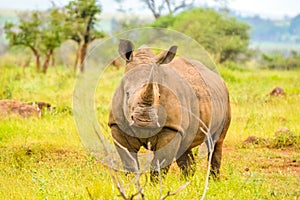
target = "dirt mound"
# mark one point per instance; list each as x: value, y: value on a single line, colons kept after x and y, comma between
x: 10, y: 108
x: 277, y: 91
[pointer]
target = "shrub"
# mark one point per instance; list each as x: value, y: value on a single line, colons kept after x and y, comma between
x: 223, y: 36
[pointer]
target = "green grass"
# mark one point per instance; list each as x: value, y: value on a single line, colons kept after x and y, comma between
x: 44, y: 158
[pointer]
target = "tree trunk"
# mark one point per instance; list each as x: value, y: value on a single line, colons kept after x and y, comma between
x: 38, y: 63
x: 83, y: 52
x: 37, y: 59
x: 47, y: 60
x: 53, y: 60
x: 77, y: 57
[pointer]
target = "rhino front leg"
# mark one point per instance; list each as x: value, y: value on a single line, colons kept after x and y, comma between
x: 186, y: 163
x: 127, y: 147
x: 165, y: 150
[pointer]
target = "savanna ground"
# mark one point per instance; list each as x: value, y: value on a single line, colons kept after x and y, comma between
x: 44, y: 158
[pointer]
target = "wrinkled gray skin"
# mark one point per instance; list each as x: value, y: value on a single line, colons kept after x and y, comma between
x: 167, y: 105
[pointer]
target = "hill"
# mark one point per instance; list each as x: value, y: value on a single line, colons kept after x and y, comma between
x: 268, y: 34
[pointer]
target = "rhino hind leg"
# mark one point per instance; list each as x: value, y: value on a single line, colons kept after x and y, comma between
x: 216, y: 160
x: 154, y: 174
x: 217, y: 152
x: 186, y: 163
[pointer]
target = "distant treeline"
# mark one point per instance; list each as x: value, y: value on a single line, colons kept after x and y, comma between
x: 286, y: 30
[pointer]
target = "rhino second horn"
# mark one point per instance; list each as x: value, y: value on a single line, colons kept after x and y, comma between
x: 157, y: 123
x: 131, y: 123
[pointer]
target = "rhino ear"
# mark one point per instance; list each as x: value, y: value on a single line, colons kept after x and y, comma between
x: 126, y: 48
x: 166, y: 56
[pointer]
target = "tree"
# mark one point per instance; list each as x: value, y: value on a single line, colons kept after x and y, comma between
x: 223, y: 36
x: 167, y: 7
x: 53, y: 34
x: 41, y: 32
x: 159, y: 7
x: 81, y: 16
x: 171, y: 6
x: 277, y: 60
x: 27, y: 33
x: 164, y: 21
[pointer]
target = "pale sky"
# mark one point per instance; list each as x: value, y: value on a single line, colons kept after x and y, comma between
x: 266, y: 8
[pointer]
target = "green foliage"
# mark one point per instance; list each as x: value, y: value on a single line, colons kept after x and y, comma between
x: 26, y: 33
x: 223, y: 36
x: 128, y: 23
x: 233, y: 66
x: 279, y: 61
x: 81, y: 16
x: 164, y: 21
x: 52, y: 30
x: 280, y: 140
x: 44, y: 158
x: 41, y: 33
x: 285, y: 139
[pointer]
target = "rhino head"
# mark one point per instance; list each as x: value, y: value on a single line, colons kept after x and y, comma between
x: 141, y: 103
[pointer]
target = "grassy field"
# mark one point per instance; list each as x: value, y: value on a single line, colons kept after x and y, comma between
x: 44, y: 158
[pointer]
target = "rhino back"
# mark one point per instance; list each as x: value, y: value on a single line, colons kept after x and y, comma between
x: 210, y: 90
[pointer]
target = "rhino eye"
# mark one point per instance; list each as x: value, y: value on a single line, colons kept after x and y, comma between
x: 127, y: 95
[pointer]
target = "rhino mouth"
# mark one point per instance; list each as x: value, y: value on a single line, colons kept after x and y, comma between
x: 145, y: 123
x: 144, y: 119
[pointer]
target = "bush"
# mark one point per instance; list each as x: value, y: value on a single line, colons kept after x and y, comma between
x: 164, y: 21
x: 283, y: 139
x: 223, y: 36
x: 279, y: 61
x: 233, y: 66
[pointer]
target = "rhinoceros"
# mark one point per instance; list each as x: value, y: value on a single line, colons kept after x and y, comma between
x: 169, y: 105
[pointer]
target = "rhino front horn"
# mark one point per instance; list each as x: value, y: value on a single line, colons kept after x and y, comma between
x: 148, y: 95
